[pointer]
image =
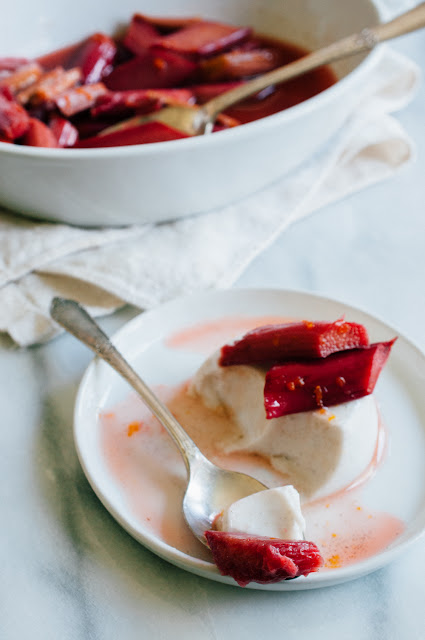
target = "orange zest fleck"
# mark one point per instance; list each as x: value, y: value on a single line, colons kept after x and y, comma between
x: 293, y: 384
x: 159, y: 63
x: 318, y: 394
x: 132, y: 428
x: 333, y: 562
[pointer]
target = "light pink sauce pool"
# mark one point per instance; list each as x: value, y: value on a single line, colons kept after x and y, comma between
x: 149, y: 470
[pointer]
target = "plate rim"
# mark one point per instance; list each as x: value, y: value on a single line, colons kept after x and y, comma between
x: 204, y: 568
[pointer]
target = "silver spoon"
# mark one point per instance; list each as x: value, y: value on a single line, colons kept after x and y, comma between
x: 210, y: 489
x: 194, y: 120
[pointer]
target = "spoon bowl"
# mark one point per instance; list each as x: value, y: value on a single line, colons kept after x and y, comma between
x: 210, y: 489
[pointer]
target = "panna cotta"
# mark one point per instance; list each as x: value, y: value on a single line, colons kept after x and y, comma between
x: 274, y: 512
x: 319, y: 452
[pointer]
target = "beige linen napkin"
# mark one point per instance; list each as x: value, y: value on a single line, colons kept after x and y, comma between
x: 144, y: 265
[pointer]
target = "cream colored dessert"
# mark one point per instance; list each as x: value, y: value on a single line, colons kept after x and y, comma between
x: 320, y: 452
x: 275, y: 513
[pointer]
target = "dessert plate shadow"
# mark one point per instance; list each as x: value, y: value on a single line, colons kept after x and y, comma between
x: 166, y: 346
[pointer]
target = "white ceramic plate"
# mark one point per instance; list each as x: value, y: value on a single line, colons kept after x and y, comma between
x: 397, y: 488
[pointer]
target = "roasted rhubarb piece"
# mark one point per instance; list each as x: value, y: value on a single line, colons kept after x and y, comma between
x: 294, y: 341
x: 23, y: 77
x: 141, y: 100
x: 238, y: 64
x: 124, y: 103
x: 14, y: 120
x: 168, y: 96
x: 94, y: 57
x: 140, y: 35
x: 264, y: 560
x: 156, y: 69
x: 12, y: 64
x: 49, y: 86
x: 61, y: 57
x: 142, y: 134
x: 38, y: 134
x: 64, y: 131
x: 204, y: 38
x: 80, y: 98
x: 166, y: 24
x: 294, y: 387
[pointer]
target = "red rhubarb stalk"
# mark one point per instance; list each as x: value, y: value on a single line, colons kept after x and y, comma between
x: 140, y: 100
x: 23, y: 77
x: 65, y: 132
x: 61, y: 57
x: 156, y: 69
x: 294, y: 341
x: 204, y: 38
x: 14, y: 120
x: 166, y: 24
x: 80, y: 98
x: 12, y: 64
x: 140, y: 35
x: 123, y: 102
x: 238, y: 64
x: 294, y: 387
x: 38, y: 134
x: 249, y: 558
x: 49, y: 86
x: 95, y: 57
x: 142, y: 134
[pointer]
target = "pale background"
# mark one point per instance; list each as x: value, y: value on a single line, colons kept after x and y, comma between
x: 69, y: 571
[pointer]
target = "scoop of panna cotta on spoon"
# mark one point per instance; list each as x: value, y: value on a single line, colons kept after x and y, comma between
x: 216, y: 498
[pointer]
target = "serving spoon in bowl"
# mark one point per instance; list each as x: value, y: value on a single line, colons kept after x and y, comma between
x: 210, y: 489
x: 198, y: 120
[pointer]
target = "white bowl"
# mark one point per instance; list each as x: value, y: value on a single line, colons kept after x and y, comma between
x: 169, y: 180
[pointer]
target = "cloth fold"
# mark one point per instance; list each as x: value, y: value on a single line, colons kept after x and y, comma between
x: 147, y: 264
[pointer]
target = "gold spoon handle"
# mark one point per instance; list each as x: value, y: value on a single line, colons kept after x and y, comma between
x: 348, y: 46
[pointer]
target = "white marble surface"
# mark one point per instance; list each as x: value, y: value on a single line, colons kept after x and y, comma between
x: 69, y: 571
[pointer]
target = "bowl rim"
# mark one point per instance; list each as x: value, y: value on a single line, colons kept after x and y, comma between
x: 222, y: 137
